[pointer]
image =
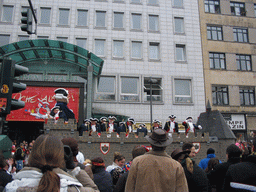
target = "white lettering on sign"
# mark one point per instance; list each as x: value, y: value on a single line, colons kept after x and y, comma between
x: 236, y: 122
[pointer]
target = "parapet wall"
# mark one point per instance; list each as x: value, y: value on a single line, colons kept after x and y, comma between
x: 93, y: 146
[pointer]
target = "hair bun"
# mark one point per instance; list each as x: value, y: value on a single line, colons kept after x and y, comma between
x: 46, y: 168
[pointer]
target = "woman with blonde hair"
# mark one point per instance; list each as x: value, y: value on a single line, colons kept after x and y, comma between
x: 44, y: 172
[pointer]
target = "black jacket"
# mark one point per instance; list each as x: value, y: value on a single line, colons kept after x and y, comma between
x: 102, y: 179
x: 167, y: 127
x: 244, y: 173
x: 5, y: 178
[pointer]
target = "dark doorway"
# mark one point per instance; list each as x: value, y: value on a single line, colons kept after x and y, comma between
x: 24, y: 130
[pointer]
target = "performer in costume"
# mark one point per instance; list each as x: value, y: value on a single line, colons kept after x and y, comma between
x: 129, y: 127
x: 94, y: 127
x: 111, y: 126
x: 156, y: 125
x: 54, y: 114
x: 142, y: 129
x: 171, y: 126
x: 189, y: 126
x: 84, y: 127
x: 103, y: 124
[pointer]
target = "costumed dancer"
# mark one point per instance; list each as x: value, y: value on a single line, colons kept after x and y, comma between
x: 128, y: 127
x: 143, y: 129
x: 156, y: 125
x: 189, y: 126
x: 94, y: 127
x: 61, y: 96
x: 84, y: 127
x: 171, y: 126
x: 103, y: 124
x: 54, y: 114
x: 111, y: 126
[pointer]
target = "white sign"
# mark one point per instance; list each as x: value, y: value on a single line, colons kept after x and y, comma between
x: 236, y: 122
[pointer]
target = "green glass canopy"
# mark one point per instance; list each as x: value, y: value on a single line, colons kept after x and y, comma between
x: 57, y: 55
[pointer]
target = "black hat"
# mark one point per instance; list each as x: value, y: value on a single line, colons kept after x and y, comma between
x: 112, y: 117
x: 131, y: 120
x: 55, y: 107
x: 178, y: 152
x: 142, y: 125
x: 210, y: 151
x: 86, y: 120
x: 94, y: 119
x: 61, y: 93
x: 103, y: 118
x: 189, y: 118
x: 159, y: 138
x: 172, y: 116
x: 156, y: 121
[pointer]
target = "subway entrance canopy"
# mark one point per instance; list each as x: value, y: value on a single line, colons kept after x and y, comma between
x: 43, y: 55
x: 46, y: 58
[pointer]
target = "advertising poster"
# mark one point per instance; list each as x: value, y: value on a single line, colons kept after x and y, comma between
x: 39, y: 101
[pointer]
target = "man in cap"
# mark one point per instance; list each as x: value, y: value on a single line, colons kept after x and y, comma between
x: 171, y: 126
x: 190, y: 126
x: 61, y: 96
x: 84, y: 127
x: 156, y: 170
x: 94, y: 127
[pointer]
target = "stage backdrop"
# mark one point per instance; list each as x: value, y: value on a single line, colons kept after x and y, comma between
x: 39, y: 101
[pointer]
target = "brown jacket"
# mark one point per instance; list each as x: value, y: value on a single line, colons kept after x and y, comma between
x: 156, y: 171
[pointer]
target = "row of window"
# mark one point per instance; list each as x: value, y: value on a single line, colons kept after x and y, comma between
x: 218, y: 61
x: 131, y: 89
x: 236, y: 8
x: 220, y: 95
x: 118, y: 48
x: 240, y: 34
x: 100, y: 19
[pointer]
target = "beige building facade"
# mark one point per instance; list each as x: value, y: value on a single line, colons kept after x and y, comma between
x: 228, y: 33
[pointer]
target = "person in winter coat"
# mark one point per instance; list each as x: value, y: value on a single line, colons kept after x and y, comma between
x: 204, y: 162
x: 45, y: 171
x: 4, y: 176
x: 102, y: 178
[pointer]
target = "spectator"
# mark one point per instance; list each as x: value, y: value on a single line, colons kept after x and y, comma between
x: 197, y: 178
x: 19, y: 157
x: 211, y: 166
x: 137, y: 151
x: 102, y: 178
x: 156, y: 170
x: 116, y: 168
x: 80, y: 157
x: 204, y: 162
x: 73, y: 144
x: 4, y: 176
x: 45, y: 172
x: 216, y: 176
x: 242, y: 175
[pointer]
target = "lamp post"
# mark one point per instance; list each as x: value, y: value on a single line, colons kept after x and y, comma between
x: 151, y: 81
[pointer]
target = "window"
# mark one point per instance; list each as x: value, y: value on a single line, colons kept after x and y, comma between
x: 99, y: 48
x: 180, y: 53
x: 243, y: 62
x: 217, y: 61
x: 45, y: 15
x: 63, y: 39
x: 7, y: 13
x: 23, y: 38
x: 136, y: 21
x: 237, y: 9
x: 137, y: 50
x: 156, y: 89
x: 118, y: 48
x: 240, y: 35
x: 82, y: 17
x: 106, y: 89
x: 214, y: 33
x: 4, y: 40
x: 63, y: 16
x: 255, y: 10
x: 212, y: 6
x: 179, y: 24
x: 154, y: 51
x: 178, y: 3
x: 247, y: 96
x: 129, y: 89
x: 118, y: 20
x: 153, y: 2
x: 220, y: 95
x: 42, y: 37
x: 153, y: 23
x: 135, y: 1
x: 182, y: 91
x: 81, y: 42
x: 100, y: 18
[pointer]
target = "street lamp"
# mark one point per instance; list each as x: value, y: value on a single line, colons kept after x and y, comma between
x: 151, y: 81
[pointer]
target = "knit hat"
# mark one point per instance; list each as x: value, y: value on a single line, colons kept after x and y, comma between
x: 210, y: 151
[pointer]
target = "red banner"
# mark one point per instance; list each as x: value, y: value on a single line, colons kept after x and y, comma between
x: 39, y: 101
